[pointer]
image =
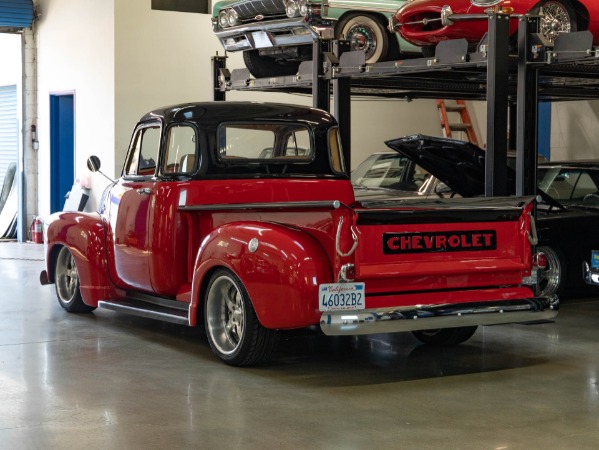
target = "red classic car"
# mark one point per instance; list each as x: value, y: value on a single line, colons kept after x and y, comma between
x: 427, y: 22
x: 241, y: 217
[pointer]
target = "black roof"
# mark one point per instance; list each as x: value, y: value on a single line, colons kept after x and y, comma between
x: 211, y: 114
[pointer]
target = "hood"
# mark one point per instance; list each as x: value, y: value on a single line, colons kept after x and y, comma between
x: 458, y: 164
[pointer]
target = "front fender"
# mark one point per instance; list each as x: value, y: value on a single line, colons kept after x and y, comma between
x: 84, y: 235
x: 281, y: 276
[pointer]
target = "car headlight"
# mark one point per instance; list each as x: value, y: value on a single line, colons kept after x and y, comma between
x: 223, y: 21
x: 303, y: 7
x: 292, y: 8
x: 232, y: 17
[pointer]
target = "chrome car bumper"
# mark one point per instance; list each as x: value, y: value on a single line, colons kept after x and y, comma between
x: 423, y: 317
x: 591, y: 276
x: 274, y: 33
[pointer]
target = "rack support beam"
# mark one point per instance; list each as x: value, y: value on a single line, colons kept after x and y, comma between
x: 528, y: 111
x: 497, y: 105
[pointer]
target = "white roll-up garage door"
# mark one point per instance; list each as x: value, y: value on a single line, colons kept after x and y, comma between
x: 9, y: 128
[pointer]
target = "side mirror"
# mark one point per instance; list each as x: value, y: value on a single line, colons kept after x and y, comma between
x: 93, y: 163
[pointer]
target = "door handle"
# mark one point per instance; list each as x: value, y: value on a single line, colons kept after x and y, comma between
x: 144, y: 191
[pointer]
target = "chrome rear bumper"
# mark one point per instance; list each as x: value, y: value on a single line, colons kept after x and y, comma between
x: 425, y: 317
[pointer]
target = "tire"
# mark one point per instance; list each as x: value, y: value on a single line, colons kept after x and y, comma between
x: 558, y: 17
x: 445, y: 337
x: 66, y: 278
x: 234, y: 333
x: 550, y: 280
x: 365, y: 32
x: 265, y: 66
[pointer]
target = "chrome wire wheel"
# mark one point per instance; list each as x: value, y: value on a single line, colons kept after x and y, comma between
x: 225, y: 314
x: 67, y: 276
x: 550, y: 278
x: 557, y: 18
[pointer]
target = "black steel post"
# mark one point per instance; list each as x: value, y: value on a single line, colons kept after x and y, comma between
x: 497, y: 104
x: 528, y: 110
x: 342, y: 105
x: 321, y: 87
x: 218, y: 62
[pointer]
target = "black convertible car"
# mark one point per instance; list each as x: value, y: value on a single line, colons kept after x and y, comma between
x: 568, y: 210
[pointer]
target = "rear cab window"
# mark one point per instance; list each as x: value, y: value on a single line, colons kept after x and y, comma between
x: 266, y: 143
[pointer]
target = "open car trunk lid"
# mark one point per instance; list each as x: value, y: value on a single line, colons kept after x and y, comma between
x: 459, y: 164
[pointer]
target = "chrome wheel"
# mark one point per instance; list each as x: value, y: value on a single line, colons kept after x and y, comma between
x: 66, y: 278
x: 366, y: 34
x: 234, y: 332
x: 557, y: 18
x: 550, y: 278
x: 225, y: 314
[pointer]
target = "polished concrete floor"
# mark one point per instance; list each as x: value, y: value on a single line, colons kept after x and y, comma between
x: 110, y: 381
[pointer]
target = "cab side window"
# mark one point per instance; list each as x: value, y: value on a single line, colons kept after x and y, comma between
x: 144, y: 152
x: 181, y: 145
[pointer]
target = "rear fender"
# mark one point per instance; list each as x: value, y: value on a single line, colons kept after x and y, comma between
x: 281, y: 275
x: 83, y: 234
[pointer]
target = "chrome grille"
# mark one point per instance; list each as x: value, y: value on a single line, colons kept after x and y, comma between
x: 249, y: 9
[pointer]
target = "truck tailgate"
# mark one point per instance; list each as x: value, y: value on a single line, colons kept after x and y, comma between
x: 443, y: 244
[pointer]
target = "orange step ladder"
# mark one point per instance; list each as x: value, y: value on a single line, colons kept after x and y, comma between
x: 464, y: 125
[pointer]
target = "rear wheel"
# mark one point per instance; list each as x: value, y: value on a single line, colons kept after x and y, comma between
x: 264, y: 66
x: 234, y: 332
x: 445, y: 336
x: 551, y: 278
x: 365, y: 32
x: 558, y: 17
x: 67, y: 283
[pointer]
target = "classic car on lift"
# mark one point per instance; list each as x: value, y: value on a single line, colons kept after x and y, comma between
x: 567, y: 215
x: 241, y: 216
x: 277, y: 35
x: 427, y: 22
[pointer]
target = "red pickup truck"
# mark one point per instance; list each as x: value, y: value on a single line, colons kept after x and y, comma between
x: 241, y: 217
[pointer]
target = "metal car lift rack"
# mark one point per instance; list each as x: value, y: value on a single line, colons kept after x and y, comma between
x: 567, y: 70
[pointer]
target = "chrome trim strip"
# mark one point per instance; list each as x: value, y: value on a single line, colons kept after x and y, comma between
x: 333, y: 204
x: 372, y: 321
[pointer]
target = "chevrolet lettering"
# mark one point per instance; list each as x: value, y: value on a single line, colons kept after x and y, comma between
x: 456, y: 241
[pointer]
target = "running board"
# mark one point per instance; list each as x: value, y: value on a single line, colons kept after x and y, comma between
x: 133, y: 306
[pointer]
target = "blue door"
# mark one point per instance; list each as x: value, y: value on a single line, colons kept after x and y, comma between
x: 62, y: 149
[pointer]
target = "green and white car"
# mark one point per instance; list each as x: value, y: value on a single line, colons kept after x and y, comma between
x: 276, y: 35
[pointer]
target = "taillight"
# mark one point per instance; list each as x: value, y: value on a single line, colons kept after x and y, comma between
x: 539, y: 260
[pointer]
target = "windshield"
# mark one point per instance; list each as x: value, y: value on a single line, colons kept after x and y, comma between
x: 570, y: 185
x: 389, y: 171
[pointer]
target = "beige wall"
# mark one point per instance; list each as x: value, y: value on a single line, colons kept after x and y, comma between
x: 75, y: 41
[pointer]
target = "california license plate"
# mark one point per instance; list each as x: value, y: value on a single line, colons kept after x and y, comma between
x: 341, y: 297
x: 595, y: 259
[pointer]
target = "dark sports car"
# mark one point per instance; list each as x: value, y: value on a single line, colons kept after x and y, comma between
x: 568, y: 211
x: 427, y: 22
